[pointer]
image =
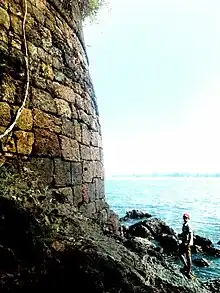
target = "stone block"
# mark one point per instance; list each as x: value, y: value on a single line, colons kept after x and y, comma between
x: 46, y: 121
x: 46, y: 143
x: 16, y: 24
x: 3, y: 35
x: 39, y: 14
x: 64, y: 92
x: 76, y: 173
x: 25, y: 121
x: 99, y: 188
x: 41, y: 4
x: 74, y: 111
x: 85, y: 152
x: 43, y: 101
x: 90, y: 209
x: 63, y: 108
x: 79, y: 102
x: 88, y: 171
x: 62, y: 172
x: 77, y: 195
x: 100, y: 205
x: 4, y: 18
x: 94, y: 138
x: 8, y: 145
x: 8, y: 87
x: 85, y: 195
x: 43, y: 167
x: 15, y: 8
x: 98, y: 169
x: 68, y: 128
x: 91, y: 191
x: 24, y: 142
x: 86, y: 136
x: 95, y: 153
x: 70, y: 149
x: 78, y: 133
x: 47, y: 71
x: 84, y: 117
x: 64, y: 195
x: 103, y: 216
x: 5, y: 114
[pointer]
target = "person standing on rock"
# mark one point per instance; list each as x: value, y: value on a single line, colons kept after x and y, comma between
x: 185, y: 246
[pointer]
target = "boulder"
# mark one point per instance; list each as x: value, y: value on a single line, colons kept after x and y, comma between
x: 169, y: 243
x: 135, y: 214
x: 206, y: 246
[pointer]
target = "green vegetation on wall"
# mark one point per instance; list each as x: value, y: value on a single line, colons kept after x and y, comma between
x: 90, y: 8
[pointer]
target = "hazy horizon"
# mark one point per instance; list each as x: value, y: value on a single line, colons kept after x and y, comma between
x: 155, y: 66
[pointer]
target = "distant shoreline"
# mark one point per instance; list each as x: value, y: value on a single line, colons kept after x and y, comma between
x: 169, y: 175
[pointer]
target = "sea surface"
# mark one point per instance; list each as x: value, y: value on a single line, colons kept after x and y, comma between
x: 168, y: 198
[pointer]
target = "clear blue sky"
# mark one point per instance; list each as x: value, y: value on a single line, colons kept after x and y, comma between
x: 155, y: 65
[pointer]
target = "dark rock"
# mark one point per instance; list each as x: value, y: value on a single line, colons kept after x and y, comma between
x: 206, y: 246
x: 135, y: 214
x: 201, y: 262
x: 169, y: 243
x: 48, y: 247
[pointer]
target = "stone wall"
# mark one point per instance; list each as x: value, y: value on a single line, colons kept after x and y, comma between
x: 58, y: 133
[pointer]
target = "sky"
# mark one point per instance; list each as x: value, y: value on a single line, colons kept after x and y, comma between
x: 155, y: 66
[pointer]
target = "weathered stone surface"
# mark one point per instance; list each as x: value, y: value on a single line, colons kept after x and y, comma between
x: 95, y: 153
x: 4, y: 18
x: 94, y: 138
x: 63, y: 108
x: 24, y: 142
x: 47, y: 71
x: 86, y: 136
x: 25, y: 121
x: 3, y: 36
x: 46, y: 121
x: 62, y: 172
x: 103, y: 216
x: 16, y: 24
x: 41, y: 166
x: 74, y: 111
x: 8, y: 145
x: 46, y: 143
x: 64, y: 92
x: 5, y: 115
x: 99, y: 188
x: 43, y: 101
x: 70, y: 149
x: 64, y: 195
x: 91, y: 191
x: 99, y: 204
x: 88, y: 171
x: 76, y: 173
x: 84, y: 117
x: 79, y: 103
x: 85, y: 152
x: 98, y: 169
x: 8, y: 89
x: 90, y: 209
x: 78, y: 133
x: 68, y: 128
x: 77, y: 194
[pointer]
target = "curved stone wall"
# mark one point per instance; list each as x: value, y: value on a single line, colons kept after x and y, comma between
x: 58, y: 134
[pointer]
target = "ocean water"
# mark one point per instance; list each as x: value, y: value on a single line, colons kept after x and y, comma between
x: 168, y: 198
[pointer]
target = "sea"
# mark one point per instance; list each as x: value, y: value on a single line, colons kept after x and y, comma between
x: 168, y: 198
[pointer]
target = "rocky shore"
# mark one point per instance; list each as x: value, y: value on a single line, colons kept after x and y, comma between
x: 53, y: 247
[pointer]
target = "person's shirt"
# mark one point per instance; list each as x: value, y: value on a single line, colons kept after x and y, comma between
x: 187, y: 230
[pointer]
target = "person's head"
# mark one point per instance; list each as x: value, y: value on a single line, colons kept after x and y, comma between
x: 186, y: 217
